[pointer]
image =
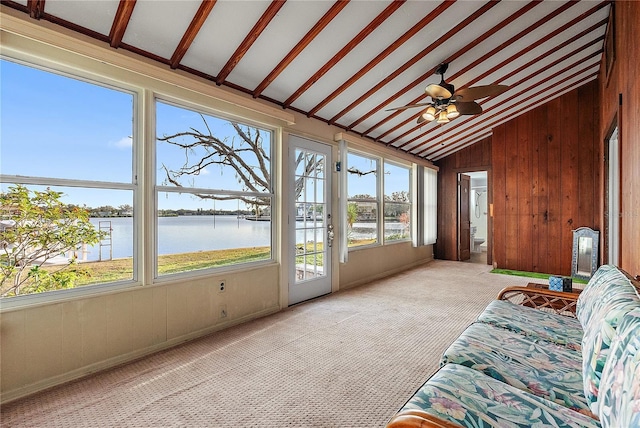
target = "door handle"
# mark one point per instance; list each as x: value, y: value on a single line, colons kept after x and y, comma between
x: 330, y: 235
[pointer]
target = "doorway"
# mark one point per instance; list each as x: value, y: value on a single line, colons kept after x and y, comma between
x: 464, y: 221
x: 478, y: 216
x: 309, y: 220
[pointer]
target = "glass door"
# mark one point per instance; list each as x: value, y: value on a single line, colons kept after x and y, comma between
x: 311, y: 231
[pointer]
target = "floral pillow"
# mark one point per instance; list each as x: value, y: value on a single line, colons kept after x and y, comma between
x: 599, y: 334
x: 619, y: 402
x: 602, y: 286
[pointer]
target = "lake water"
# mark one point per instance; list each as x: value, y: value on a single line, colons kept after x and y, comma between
x: 185, y: 234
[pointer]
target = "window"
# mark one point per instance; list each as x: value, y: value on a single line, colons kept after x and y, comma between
x: 363, y: 203
x: 429, y: 198
x: 214, y: 191
x: 67, y: 185
x: 397, y: 202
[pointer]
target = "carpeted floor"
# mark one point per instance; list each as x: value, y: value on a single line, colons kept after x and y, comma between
x: 346, y: 360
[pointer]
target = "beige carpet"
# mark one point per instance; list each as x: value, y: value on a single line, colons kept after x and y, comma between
x: 346, y: 360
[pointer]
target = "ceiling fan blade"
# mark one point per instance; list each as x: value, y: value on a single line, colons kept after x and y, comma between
x: 437, y: 92
x: 471, y: 107
x: 409, y: 106
x: 477, y: 92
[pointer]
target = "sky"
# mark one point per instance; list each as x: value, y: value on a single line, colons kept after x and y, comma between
x: 58, y: 127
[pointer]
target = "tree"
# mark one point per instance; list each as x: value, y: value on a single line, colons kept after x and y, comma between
x: 352, y: 214
x: 36, y: 226
x: 244, y: 154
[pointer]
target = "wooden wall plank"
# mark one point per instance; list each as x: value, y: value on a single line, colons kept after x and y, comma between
x: 569, y: 176
x: 554, y: 166
x: 587, y: 160
x: 511, y: 196
x: 539, y: 191
x: 499, y: 173
x: 525, y: 185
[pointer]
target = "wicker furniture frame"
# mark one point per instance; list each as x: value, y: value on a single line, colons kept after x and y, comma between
x: 535, y: 296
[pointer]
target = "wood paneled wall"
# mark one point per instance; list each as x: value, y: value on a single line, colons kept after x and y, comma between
x: 473, y: 158
x: 624, y: 83
x: 546, y: 182
x: 547, y: 168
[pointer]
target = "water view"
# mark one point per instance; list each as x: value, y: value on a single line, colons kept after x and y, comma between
x: 185, y: 234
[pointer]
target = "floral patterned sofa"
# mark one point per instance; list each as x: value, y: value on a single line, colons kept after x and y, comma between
x: 521, y: 364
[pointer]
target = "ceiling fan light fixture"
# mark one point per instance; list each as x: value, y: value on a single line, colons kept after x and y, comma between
x: 429, y: 114
x: 437, y: 92
x: 452, y: 111
x: 443, y: 117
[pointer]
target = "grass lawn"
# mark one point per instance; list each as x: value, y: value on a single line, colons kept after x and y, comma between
x: 536, y: 275
x: 122, y: 269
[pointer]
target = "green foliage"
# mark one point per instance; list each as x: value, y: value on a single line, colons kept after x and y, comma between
x: 352, y: 214
x: 536, y: 275
x: 37, y: 227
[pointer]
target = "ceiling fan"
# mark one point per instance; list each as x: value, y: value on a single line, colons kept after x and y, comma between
x: 446, y: 103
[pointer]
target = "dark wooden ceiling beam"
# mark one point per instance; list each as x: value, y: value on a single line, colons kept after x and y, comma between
x: 383, y: 16
x: 35, y: 8
x: 192, y: 31
x: 486, y: 7
x: 302, y: 45
x: 248, y: 41
x: 120, y: 22
x: 382, y: 55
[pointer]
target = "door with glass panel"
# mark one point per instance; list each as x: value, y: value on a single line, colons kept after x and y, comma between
x: 310, y: 228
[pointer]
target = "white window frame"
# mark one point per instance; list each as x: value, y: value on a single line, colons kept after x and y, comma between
x: 410, y: 204
x: 378, y: 200
x: 157, y: 189
x: 133, y: 186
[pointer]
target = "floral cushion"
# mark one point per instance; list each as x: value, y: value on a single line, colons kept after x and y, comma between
x: 541, y: 368
x: 602, y: 286
x: 619, y: 400
x: 469, y: 398
x: 533, y: 322
x: 616, y: 301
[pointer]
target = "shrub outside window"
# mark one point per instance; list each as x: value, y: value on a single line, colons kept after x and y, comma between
x: 397, y: 202
x: 363, y: 205
x: 214, y: 191
x: 67, y: 185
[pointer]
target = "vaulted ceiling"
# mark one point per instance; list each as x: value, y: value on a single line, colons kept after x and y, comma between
x: 347, y: 62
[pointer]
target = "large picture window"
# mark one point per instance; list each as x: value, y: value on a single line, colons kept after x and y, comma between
x: 397, y: 202
x: 363, y: 204
x: 214, y: 191
x: 67, y: 187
